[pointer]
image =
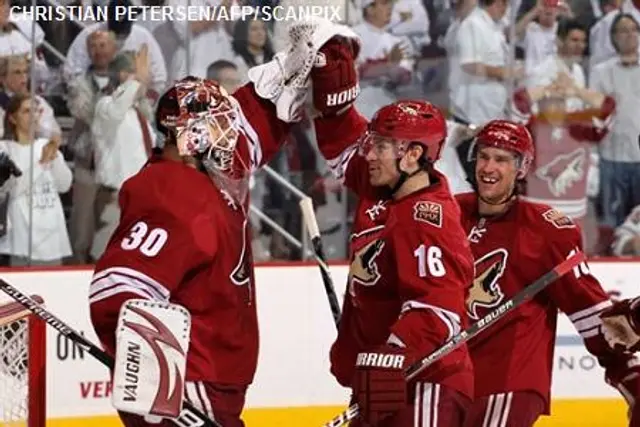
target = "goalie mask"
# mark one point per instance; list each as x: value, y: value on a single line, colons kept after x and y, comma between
x: 204, y: 121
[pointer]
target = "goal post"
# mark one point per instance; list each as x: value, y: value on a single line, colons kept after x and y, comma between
x: 22, y: 367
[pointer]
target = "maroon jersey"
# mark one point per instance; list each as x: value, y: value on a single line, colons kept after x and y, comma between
x: 182, y: 239
x: 410, y: 265
x: 560, y: 169
x: 511, y: 252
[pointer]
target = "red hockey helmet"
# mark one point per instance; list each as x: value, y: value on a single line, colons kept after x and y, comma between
x: 509, y: 136
x: 405, y: 122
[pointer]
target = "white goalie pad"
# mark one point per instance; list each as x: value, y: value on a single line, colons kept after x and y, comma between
x: 152, y: 340
x: 284, y: 79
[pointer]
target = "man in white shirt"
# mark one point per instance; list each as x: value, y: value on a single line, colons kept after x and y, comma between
x: 383, y: 59
x: 619, y: 77
x: 130, y: 37
x: 123, y: 138
x: 481, y: 94
x: 600, y: 45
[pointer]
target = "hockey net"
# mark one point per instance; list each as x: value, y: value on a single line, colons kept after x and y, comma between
x: 22, y: 367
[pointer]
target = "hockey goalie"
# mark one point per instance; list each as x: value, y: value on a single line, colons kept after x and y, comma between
x: 173, y: 296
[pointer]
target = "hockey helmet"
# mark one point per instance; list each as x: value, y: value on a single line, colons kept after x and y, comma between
x: 509, y: 136
x: 203, y: 118
x: 406, y: 122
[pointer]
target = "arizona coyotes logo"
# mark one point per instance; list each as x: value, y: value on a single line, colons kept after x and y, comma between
x: 428, y: 212
x: 485, y: 291
x: 241, y: 274
x: 367, y: 247
x: 564, y: 171
x: 558, y: 219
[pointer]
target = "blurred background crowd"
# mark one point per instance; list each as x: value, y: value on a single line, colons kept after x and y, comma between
x: 75, y: 120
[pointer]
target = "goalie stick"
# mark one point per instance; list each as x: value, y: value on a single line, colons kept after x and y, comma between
x: 481, y: 325
x: 190, y: 415
x: 309, y: 218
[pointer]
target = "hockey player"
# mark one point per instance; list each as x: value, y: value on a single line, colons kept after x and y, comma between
x: 410, y: 261
x: 183, y: 239
x: 515, y: 242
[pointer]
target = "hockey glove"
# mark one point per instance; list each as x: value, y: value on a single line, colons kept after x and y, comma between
x: 379, y: 385
x: 334, y: 77
x: 627, y: 380
x: 621, y: 325
x: 7, y: 168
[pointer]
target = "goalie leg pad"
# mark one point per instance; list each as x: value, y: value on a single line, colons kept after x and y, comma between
x: 152, y: 340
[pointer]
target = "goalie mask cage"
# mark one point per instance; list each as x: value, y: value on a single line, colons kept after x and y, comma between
x: 22, y: 367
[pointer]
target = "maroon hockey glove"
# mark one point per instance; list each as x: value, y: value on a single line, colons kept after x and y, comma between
x: 334, y: 76
x: 627, y: 380
x: 379, y: 385
x: 621, y: 325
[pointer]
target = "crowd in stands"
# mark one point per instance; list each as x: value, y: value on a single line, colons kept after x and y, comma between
x: 570, y: 71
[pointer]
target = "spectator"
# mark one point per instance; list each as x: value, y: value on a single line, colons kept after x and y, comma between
x: 201, y: 42
x: 15, y: 39
x: 122, y: 135
x: 481, y: 94
x: 225, y: 73
x: 619, y: 152
x: 627, y: 236
x: 251, y: 45
x: 51, y: 175
x: 84, y: 91
x: 383, y: 59
x: 600, y: 42
x: 14, y: 77
x: 130, y: 37
x: 563, y: 117
x: 537, y: 31
x: 409, y: 19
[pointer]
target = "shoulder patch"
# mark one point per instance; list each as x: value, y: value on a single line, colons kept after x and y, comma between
x: 558, y: 219
x: 428, y: 212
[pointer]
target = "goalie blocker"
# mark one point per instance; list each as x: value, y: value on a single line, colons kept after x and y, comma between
x: 152, y: 340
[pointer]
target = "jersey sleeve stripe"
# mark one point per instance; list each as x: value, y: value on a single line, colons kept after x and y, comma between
x: 253, y: 141
x: 127, y: 277
x: 590, y: 311
x: 338, y: 165
x: 117, y: 289
x: 450, y: 319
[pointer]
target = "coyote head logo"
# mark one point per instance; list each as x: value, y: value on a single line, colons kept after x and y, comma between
x: 485, y: 291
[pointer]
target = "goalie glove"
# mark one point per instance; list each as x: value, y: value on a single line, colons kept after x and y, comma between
x: 334, y: 76
x: 152, y: 340
x: 621, y: 325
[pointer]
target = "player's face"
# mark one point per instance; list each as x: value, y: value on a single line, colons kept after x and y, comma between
x: 381, y: 155
x: 496, y: 171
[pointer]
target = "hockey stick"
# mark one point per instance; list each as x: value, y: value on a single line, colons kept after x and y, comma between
x: 480, y: 326
x: 190, y: 415
x: 309, y: 218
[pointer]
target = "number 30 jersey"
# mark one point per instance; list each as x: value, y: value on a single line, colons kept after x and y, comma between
x: 178, y: 240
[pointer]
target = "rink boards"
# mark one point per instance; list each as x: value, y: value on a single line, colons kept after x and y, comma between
x: 292, y: 385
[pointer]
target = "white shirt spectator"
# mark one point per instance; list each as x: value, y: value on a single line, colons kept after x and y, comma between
x: 479, y: 99
x: 202, y: 49
x: 600, y: 45
x: 623, y: 84
x: 18, y: 42
x: 628, y: 234
x: 416, y: 27
x: 47, y: 124
x: 450, y: 44
x: 539, y: 43
x: 449, y: 163
x: 50, y: 240
x: 78, y: 60
x: 119, y: 142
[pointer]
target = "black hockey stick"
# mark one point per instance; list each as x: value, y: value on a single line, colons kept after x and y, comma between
x: 480, y: 326
x: 190, y: 415
x: 309, y: 218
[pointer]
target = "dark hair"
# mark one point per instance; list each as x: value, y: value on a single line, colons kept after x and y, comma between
x: 120, y: 25
x: 12, y: 107
x: 568, y: 25
x: 213, y: 71
x: 241, y: 39
x: 614, y: 27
